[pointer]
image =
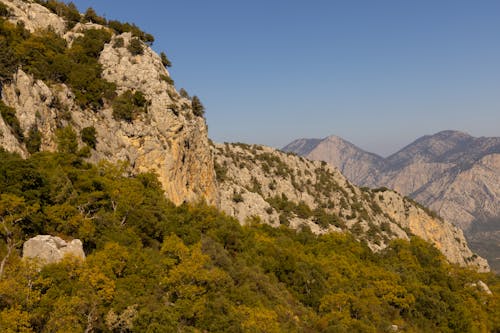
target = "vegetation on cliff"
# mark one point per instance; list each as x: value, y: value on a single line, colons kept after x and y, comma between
x: 152, y: 266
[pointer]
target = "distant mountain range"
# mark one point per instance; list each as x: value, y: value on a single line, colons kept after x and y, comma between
x: 451, y: 172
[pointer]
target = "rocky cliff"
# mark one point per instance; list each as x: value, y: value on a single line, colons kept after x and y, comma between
x: 168, y: 138
x: 259, y: 183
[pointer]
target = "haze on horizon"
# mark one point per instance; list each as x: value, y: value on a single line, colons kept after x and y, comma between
x: 379, y: 74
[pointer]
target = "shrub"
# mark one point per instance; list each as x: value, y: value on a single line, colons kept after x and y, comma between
x: 237, y: 197
x: 128, y: 105
x: 9, y: 116
x: 198, y: 108
x: 34, y: 140
x: 135, y: 47
x: 120, y: 27
x: 88, y: 136
x: 184, y: 93
x: 66, y: 140
x: 164, y: 60
x: 118, y: 42
x: 4, y: 10
x: 167, y: 79
x: 91, y: 16
x: 8, y: 62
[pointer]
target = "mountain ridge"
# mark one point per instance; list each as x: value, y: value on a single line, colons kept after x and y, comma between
x: 451, y: 172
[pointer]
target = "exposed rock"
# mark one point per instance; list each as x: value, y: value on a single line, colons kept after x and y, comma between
x: 254, y: 178
x: 34, y: 16
x: 168, y: 139
x: 50, y: 249
x: 481, y: 286
x: 484, y: 287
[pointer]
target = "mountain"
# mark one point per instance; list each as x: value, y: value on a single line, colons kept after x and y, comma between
x: 354, y: 163
x: 451, y: 172
x: 101, y: 152
x: 96, y: 88
x: 264, y: 184
x: 48, y: 94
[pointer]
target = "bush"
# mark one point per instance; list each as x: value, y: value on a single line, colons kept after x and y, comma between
x: 88, y: 136
x: 164, y: 60
x: 198, y: 108
x: 8, y: 62
x: 184, y: 93
x: 167, y: 79
x: 128, y: 105
x: 91, y: 16
x: 120, y: 28
x: 9, y: 116
x: 119, y: 42
x: 66, y: 140
x: 237, y: 197
x: 34, y: 140
x: 135, y: 47
x: 4, y: 10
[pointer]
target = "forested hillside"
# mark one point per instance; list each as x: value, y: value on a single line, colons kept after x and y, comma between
x: 155, y: 267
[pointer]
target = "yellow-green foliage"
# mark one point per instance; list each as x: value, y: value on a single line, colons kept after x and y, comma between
x: 155, y: 267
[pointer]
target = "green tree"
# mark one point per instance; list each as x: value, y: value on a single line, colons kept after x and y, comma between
x: 8, y: 61
x: 67, y: 140
x: 33, y: 140
x: 9, y: 116
x: 128, y: 105
x: 135, y: 47
x: 91, y: 16
x: 164, y: 60
x: 198, y: 108
x: 88, y: 135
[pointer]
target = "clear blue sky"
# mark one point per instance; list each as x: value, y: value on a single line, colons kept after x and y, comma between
x: 378, y: 73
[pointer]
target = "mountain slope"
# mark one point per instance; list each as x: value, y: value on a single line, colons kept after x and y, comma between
x: 98, y: 90
x: 260, y: 183
x: 156, y: 130
x: 354, y: 163
x: 451, y: 172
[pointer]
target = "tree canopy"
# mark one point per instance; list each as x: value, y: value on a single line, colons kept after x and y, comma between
x: 152, y: 266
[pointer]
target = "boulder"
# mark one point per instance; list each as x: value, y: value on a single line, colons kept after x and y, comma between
x: 51, y: 249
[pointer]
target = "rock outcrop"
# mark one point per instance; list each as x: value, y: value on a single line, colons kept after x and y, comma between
x: 260, y: 183
x: 33, y: 16
x: 168, y: 139
x: 50, y: 249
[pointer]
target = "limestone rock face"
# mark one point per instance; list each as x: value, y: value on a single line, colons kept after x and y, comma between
x: 34, y: 16
x: 50, y: 249
x: 167, y: 139
x: 263, y: 183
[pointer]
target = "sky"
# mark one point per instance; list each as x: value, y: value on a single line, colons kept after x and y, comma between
x: 377, y: 73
